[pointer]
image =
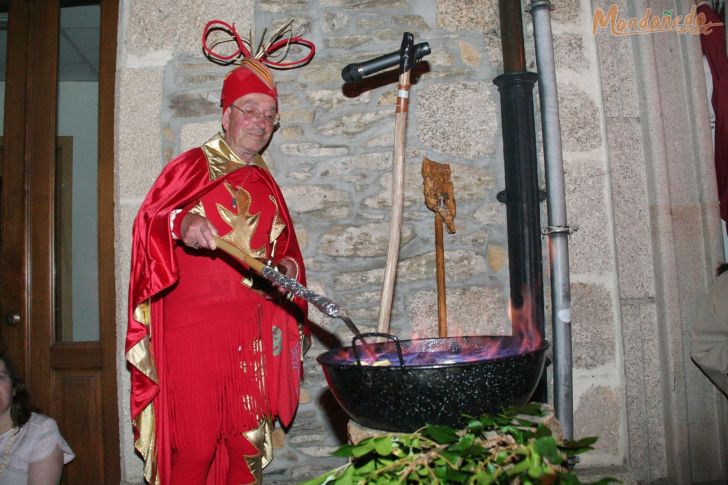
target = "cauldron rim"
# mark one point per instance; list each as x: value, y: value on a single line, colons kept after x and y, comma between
x: 322, y: 358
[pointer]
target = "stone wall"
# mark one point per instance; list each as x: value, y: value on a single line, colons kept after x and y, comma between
x: 339, y: 149
x: 333, y: 158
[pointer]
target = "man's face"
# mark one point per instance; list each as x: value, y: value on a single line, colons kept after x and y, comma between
x: 247, y: 137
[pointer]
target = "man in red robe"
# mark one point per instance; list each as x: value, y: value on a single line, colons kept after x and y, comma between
x: 214, y: 354
x: 714, y: 49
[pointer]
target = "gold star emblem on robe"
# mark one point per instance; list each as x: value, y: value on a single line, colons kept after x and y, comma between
x: 278, y: 224
x: 243, y: 223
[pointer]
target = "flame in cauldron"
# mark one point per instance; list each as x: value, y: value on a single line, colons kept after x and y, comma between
x: 526, y: 337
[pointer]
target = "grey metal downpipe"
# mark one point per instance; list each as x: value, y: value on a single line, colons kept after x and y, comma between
x: 557, y: 230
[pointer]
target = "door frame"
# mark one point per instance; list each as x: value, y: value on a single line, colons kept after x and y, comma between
x: 14, y: 251
x: 106, y: 231
x: 28, y: 236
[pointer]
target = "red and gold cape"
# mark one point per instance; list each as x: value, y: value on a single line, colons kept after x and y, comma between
x: 154, y: 269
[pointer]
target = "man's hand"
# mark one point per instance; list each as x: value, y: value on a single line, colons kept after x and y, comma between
x: 288, y: 268
x: 197, y: 232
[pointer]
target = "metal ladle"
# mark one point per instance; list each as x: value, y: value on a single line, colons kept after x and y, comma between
x: 323, y: 304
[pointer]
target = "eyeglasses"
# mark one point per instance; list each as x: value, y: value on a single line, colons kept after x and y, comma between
x: 252, y: 113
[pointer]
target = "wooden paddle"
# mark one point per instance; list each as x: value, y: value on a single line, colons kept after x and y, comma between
x: 440, y: 198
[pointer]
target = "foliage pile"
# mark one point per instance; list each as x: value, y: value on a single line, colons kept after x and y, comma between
x: 509, y: 448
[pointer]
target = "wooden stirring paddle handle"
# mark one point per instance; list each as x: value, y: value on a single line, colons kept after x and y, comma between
x: 323, y: 304
x: 254, y: 263
x: 440, y: 275
x: 440, y: 198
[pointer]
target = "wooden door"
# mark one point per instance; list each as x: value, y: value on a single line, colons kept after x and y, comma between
x: 44, y: 228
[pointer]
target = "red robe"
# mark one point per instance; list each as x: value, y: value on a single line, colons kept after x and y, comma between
x: 154, y: 269
x: 714, y: 49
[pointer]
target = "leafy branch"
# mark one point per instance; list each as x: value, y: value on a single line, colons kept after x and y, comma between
x: 512, y: 447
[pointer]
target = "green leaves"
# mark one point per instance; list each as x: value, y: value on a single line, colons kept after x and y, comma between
x: 547, y: 447
x: 441, y: 434
x: 383, y: 446
x: 513, y: 446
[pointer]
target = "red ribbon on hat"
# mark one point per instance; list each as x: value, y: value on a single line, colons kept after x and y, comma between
x: 244, y: 46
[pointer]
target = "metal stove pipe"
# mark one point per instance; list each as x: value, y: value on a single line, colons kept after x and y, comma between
x: 521, y: 175
x: 558, y: 231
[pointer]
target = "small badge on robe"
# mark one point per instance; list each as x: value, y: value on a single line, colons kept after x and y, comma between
x: 277, y: 341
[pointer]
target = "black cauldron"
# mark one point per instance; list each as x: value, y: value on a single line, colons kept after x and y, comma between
x: 405, y: 396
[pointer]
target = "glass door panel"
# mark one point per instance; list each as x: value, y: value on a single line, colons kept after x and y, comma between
x: 76, y: 194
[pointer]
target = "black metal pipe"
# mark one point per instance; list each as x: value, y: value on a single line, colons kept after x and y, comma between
x: 525, y: 257
x: 523, y: 220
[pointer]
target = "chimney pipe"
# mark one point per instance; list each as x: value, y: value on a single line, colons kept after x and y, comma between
x: 521, y: 195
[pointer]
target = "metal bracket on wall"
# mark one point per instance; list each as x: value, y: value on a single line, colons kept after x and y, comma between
x: 503, y: 197
x: 539, y: 3
x: 559, y: 229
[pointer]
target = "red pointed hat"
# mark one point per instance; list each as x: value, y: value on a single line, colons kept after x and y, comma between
x: 250, y: 77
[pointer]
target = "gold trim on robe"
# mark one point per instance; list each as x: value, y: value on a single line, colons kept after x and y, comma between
x: 147, y: 444
x: 198, y: 209
x: 243, y: 224
x: 278, y: 224
x: 222, y: 160
x: 141, y: 354
x: 141, y: 357
x: 262, y: 439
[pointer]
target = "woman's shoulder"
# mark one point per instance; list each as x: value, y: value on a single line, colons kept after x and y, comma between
x: 40, y: 426
x: 41, y: 421
x: 42, y: 436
